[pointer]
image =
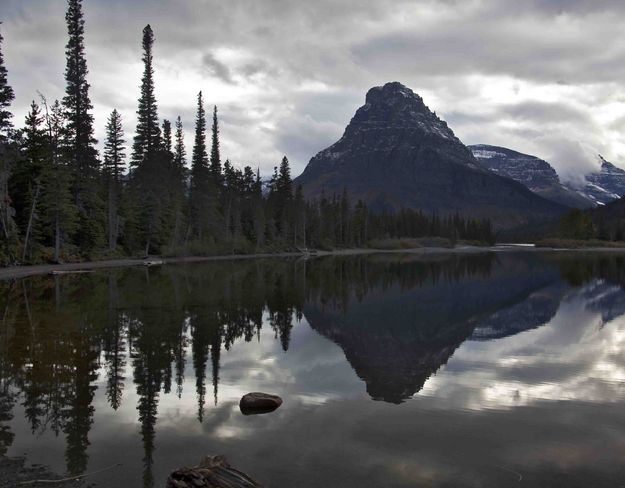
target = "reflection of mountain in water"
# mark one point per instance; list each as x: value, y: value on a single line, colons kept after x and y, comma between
x: 536, y: 310
x: 396, y: 338
x: 606, y: 299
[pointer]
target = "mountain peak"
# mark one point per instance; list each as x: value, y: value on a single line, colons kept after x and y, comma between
x: 395, y: 107
x: 606, y: 165
x: 390, y: 92
x: 396, y: 153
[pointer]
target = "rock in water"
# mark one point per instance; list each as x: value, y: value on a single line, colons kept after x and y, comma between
x: 396, y: 153
x: 257, y: 402
x: 212, y: 472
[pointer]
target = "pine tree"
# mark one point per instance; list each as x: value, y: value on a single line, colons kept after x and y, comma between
x: 149, y: 205
x: 199, y: 158
x: 79, y: 140
x: 258, y: 214
x: 167, y: 141
x: 180, y: 153
x: 284, y: 184
x: 200, y: 195
x: 283, y: 197
x: 26, y: 182
x: 148, y: 135
x: 6, y: 98
x: 215, y: 160
x: 114, y: 147
x: 76, y: 102
x: 59, y: 214
x: 114, y: 156
x: 179, y: 182
x: 26, y: 175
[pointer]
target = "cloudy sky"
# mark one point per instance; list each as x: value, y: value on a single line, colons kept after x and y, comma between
x: 546, y: 77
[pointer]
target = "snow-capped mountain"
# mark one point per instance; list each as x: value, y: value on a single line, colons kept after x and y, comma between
x: 604, y: 186
x: 536, y: 174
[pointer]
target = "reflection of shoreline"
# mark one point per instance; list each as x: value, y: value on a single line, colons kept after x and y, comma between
x: 15, y: 272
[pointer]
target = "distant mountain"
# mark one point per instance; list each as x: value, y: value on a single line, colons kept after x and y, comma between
x: 536, y: 174
x: 606, y: 185
x: 396, y: 153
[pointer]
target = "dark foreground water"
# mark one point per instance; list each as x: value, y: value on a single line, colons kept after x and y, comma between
x: 487, y: 370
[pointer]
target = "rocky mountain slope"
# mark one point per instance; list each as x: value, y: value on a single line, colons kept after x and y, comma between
x: 396, y: 153
x: 536, y: 174
x: 606, y: 185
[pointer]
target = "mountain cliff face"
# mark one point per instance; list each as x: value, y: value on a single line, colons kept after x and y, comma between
x: 606, y: 185
x: 534, y: 173
x: 396, y: 153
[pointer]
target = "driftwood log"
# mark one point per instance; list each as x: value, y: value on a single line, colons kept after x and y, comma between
x: 212, y: 472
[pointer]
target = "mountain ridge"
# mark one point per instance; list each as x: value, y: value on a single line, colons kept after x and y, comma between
x: 534, y: 173
x: 598, y: 188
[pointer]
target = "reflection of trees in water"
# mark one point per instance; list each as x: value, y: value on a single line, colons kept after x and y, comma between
x: 59, y: 334
x: 609, y: 266
x: 7, y: 396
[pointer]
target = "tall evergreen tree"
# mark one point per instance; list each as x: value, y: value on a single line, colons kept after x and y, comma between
x: 78, y: 132
x: 149, y: 205
x: 114, y: 156
x: 114, y: 147
x: 200, y: 195
x: 167, y: 141
x: 76, y: 101
x: 215, y: 159
x: 26, y: 179
x: 6, y: 97
x: 283, y: 197
x: 199, y: 158
x: 26, y: 175
x: 148, y: 135
x: 178, y: 182
x: 180, y: 153
x: 59, y: 214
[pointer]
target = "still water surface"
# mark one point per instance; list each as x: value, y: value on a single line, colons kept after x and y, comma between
x: 486, y: 370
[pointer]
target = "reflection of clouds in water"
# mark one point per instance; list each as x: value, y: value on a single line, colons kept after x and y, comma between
x: 575, y: 356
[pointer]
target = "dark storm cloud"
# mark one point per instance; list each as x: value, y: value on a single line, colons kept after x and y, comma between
x: 294, y: 72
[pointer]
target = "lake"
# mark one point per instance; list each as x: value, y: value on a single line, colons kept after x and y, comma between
x: 397, y: 370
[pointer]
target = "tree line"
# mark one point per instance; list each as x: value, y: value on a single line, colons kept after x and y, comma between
x: 61, y: 200
x: 606, y: 223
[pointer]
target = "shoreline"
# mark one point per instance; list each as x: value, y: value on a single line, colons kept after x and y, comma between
x: 17, y: 272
